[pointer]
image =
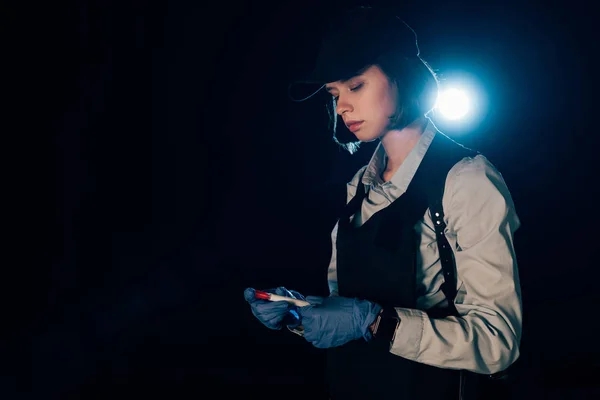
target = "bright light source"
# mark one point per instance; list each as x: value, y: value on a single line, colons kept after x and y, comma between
x: 453, y: 103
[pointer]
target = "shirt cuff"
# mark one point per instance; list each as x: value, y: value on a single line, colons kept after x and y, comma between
x: 407, y: 341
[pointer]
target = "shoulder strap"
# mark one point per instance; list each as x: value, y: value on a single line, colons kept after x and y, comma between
x: 450, y: 153
x: 446, y: 254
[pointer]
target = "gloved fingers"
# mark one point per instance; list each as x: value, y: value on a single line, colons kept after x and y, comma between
x: 282, y: 291
x: 315, y: 300
x: 272, y: 320
x: 271, y: 307
x: 272, y: 323
x: 297, y: 295
x: 249, y: 295
x: 276, y: 321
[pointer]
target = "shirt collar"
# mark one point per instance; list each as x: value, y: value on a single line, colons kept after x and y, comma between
x: 405, y: 173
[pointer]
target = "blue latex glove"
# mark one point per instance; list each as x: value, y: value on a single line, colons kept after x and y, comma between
x: 274, y: 314
x: 334, y: 321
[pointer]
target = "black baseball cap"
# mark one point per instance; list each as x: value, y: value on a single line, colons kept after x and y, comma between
x: 352, y: 41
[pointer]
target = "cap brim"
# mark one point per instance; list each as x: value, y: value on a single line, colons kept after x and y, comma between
x: 304, y: 89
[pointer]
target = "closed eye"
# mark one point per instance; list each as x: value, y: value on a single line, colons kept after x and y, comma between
x: 355, y: 88
x: 352, y: 89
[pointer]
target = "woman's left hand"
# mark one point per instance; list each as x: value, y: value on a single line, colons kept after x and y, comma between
x: 334, y: 321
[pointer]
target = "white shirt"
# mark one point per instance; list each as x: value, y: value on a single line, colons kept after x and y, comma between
x: 481, y: 220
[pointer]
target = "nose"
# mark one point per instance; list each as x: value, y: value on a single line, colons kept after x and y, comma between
x: 342, y: 106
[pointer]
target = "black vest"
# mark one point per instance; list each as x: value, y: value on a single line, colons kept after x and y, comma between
x: 377, y: 261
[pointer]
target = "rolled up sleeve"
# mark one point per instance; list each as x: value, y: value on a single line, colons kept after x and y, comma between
x: 485, y: 337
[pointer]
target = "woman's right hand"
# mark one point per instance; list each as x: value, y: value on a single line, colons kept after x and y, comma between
x: 274, y: 314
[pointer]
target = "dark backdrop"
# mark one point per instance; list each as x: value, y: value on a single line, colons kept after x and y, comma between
x: 155, y: 168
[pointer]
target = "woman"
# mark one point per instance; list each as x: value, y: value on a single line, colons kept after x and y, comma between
x: 423, y: 279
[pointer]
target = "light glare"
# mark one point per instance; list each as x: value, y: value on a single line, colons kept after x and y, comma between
x: 453, y: 104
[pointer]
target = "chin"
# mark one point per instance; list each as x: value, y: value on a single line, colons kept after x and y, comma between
x: 366, y: 137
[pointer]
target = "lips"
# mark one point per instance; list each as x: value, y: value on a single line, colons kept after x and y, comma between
x: 354, y: 125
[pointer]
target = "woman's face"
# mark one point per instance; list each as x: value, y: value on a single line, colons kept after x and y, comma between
x: 368, y: 99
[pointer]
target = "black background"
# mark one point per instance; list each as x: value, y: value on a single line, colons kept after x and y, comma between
x: 155, y: 168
